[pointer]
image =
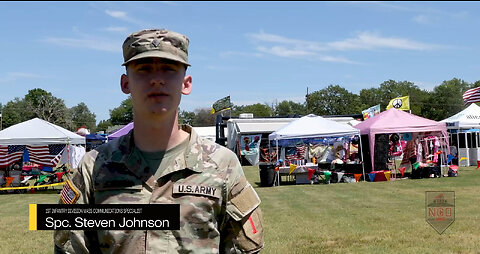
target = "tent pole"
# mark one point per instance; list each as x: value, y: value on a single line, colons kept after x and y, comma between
x: 278, y: 172
x: 361, y: 156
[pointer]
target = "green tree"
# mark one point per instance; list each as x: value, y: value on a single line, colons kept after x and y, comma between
x: 81, y: 115
x: 391, y: 89
x: 14, y: 112
x: 258, y: 110
x: 122, y: 114
x: 203, y: 118
x: 333, y: 100
x: 103, y: 125
x: 186, y: 117
x: 47, y: 107
x: 288, y: 108
x: 37, y: 103
x: 446, y: 99
x: 370, y: 97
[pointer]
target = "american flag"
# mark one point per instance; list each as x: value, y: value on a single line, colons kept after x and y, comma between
x: 46, y: 155
x: 298, y: 153
x: 301, y: 152
x: 10, y: 154
x: 472, y: 95
x: 69, y: 195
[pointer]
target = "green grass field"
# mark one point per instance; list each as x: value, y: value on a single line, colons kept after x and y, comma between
x: 364, y: 217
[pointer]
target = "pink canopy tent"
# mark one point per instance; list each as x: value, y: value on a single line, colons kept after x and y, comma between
x: 397, y: 121
x: 123, y: 131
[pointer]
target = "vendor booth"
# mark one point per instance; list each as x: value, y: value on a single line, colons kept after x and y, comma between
x: 39, y: 142
x: 38, y: 139
x: 297, y: 143
x: 427, y: 140
x: 463, y: 129
x: 251, y: 130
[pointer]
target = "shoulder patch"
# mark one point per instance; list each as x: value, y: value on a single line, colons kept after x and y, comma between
x: 70, y: 193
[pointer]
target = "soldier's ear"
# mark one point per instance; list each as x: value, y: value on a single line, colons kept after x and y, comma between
x: 124, y: 84
x: 187, y: 85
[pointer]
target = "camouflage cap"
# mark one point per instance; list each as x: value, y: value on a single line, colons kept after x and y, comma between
x: 156, y: 43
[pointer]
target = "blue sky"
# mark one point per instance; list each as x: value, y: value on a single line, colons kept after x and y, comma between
x: 256, y: 52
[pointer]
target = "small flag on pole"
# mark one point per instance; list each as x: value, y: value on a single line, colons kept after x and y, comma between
x: 472, y: 95
x: 402, y: 103
x: 220, y: 105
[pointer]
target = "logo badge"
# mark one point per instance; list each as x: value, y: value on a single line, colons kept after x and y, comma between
x: 440, y: 209
x: 397, y: 103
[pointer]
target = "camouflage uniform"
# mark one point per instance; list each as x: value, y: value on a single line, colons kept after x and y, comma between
x: 225, y: 219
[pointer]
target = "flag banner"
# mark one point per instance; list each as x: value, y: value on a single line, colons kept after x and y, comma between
x: 402, y: 103
x: 472, y: 95
x: 10, y: 154
x: 8, y: 180
x: 450, y: 158
x: 402, y: 171
x: 415, y: 165
x: 371, y: 176
x: 371, y: 112
x: 221, y: 104
x: 292, y: 168
x: 46, y: 155
x: 357, y: 177
x: 339, y: 176
x: 311, y: 171
x: 387, y: 175
x: 327, y: 176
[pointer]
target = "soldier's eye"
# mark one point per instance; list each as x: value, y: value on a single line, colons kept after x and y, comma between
x: 144, y: 68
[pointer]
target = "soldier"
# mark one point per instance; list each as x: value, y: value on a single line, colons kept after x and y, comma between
x: 158, y: 161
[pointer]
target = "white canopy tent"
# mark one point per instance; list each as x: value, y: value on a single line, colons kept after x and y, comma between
x: 465, y: 119
x: 38, y: 132
x: 457, y: 125
x: 312, y: 126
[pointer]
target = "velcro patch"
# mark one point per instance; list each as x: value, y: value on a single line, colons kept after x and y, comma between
x: 243, y: 204
x: 70, y: 193
x: 197, y: 190
x: 247, y: 200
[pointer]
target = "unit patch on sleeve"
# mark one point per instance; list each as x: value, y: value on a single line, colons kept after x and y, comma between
x: 70, y: 193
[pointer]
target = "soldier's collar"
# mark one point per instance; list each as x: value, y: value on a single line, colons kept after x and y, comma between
x: 193, y: 154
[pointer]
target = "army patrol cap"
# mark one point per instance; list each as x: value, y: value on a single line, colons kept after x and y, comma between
x: 156, y: 43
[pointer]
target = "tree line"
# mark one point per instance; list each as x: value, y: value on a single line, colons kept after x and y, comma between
x: 442, y: 102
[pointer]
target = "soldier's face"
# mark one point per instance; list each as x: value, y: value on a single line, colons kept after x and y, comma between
x: 156, y: 85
